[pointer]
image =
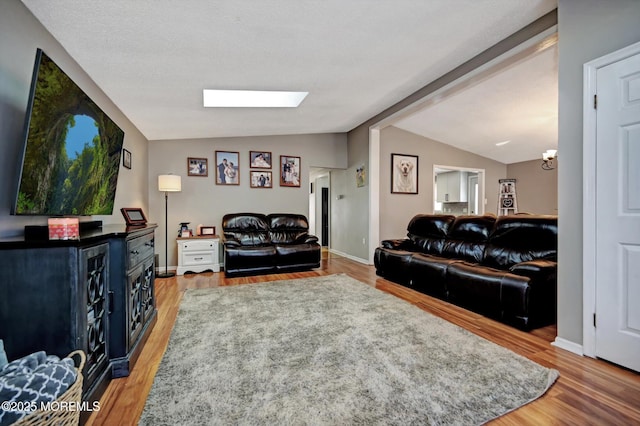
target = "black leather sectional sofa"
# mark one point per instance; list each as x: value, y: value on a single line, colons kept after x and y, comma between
x: 504, y: 267
x: 259, y: 244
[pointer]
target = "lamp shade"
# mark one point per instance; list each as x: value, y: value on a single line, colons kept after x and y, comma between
x: 169, y: 183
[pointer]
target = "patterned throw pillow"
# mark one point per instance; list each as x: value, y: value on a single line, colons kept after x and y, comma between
x: 34, y: 378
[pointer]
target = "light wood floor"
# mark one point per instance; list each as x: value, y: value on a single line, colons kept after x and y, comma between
x: 589, y: 391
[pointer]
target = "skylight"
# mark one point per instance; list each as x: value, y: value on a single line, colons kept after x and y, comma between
x: 251, y: 99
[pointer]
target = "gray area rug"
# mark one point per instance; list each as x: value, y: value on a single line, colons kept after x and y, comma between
x: 330, y: 350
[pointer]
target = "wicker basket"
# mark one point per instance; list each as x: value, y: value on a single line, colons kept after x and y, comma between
x: 60, y: 417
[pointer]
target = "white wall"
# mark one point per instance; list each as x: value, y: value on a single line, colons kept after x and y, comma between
x: 350, y: 214
x: 20, y: 35
x: 201, y: 201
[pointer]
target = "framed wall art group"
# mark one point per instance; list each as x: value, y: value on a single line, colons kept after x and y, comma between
x: 227, y: 169
x: 260, y: 178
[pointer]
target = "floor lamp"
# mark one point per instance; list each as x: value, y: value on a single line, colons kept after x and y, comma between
x: 167, y: 183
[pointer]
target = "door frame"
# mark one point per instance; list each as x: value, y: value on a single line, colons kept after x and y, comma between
x: 481, y: 192
x: 589, y: 196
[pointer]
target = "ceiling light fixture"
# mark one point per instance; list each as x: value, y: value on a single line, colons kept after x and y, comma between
x: 502, y: 143
x: 549, y: 159
x: 251, y: 99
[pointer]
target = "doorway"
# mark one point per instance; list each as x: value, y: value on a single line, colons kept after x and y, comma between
x: 320, y: 205
x: 324, y: 235
x: 458, y: 190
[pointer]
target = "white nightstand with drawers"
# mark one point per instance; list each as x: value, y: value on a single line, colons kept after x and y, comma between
x: 198, y: 254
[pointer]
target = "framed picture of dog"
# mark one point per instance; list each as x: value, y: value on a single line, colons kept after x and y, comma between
x: 404, y: 174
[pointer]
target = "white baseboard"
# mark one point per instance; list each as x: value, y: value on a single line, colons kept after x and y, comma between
x: 348, y: 256
x: 568, y: 345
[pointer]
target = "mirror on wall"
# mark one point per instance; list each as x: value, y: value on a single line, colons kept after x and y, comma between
x: 458, y: 190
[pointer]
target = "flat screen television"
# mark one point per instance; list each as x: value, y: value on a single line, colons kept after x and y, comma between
x: 71, y: 156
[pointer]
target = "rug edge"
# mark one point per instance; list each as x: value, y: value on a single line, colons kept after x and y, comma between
x: 552, y: 377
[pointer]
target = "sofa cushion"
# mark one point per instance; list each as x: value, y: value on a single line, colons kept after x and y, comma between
x: 428, y: 232
x: 288, y: 228
x: 428, y: 273
x: 467, y: 238
x: 297, y: 256
x: 475, y: 287
x: 247, y: 229
x: 392, y: 263
x: 249, y: 259
x: 521, y: 238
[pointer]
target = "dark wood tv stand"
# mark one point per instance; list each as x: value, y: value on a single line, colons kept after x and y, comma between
x: 95, y: 294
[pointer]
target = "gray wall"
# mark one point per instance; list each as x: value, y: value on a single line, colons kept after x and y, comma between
x: 397, y: 209
x: 537, y: 189
x: 20, y: 35
x: 588, y: 29
x: 201, y: 201
x: 350, y: 214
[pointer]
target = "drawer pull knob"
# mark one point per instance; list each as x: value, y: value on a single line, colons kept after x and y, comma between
x: 197, y: 258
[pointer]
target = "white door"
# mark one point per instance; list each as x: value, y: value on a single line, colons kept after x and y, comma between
x: 618, y: 213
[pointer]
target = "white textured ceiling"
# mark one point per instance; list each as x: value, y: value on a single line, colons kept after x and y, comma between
x: 355, y: 57
x: 518, y: 104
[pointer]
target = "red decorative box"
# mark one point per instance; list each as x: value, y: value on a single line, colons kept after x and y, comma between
x: 66, y: 228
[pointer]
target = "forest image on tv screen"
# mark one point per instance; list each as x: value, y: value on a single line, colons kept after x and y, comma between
x: 72, y: 153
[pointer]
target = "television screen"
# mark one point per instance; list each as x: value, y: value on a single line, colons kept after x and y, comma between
x: 72, y: 149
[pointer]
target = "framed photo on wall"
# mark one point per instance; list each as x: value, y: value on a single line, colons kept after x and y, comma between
x: 261, y: 179
x: 227, y: 168
x: 404, y: 174
x: 289, y: 171
x: 126, y: 158
x: 260, y: 159
x: 197, y: 167
x: 361, y: 176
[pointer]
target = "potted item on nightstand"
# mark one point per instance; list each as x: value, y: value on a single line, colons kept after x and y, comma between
x: 184, y: 231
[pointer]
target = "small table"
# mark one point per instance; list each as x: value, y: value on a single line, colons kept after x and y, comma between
x: 198, y: 254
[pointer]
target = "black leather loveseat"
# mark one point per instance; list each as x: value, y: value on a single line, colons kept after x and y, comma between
x: 503, y: 268
x: 259, y: 244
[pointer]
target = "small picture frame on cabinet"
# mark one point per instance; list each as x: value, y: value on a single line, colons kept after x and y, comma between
x: 133, y: 216
x: 207, y: 230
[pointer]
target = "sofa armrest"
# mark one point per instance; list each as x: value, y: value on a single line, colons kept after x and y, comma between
x: 231, y: 243
x: 535, y: 269
x: 399, y: 244
x: 311, y: 239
